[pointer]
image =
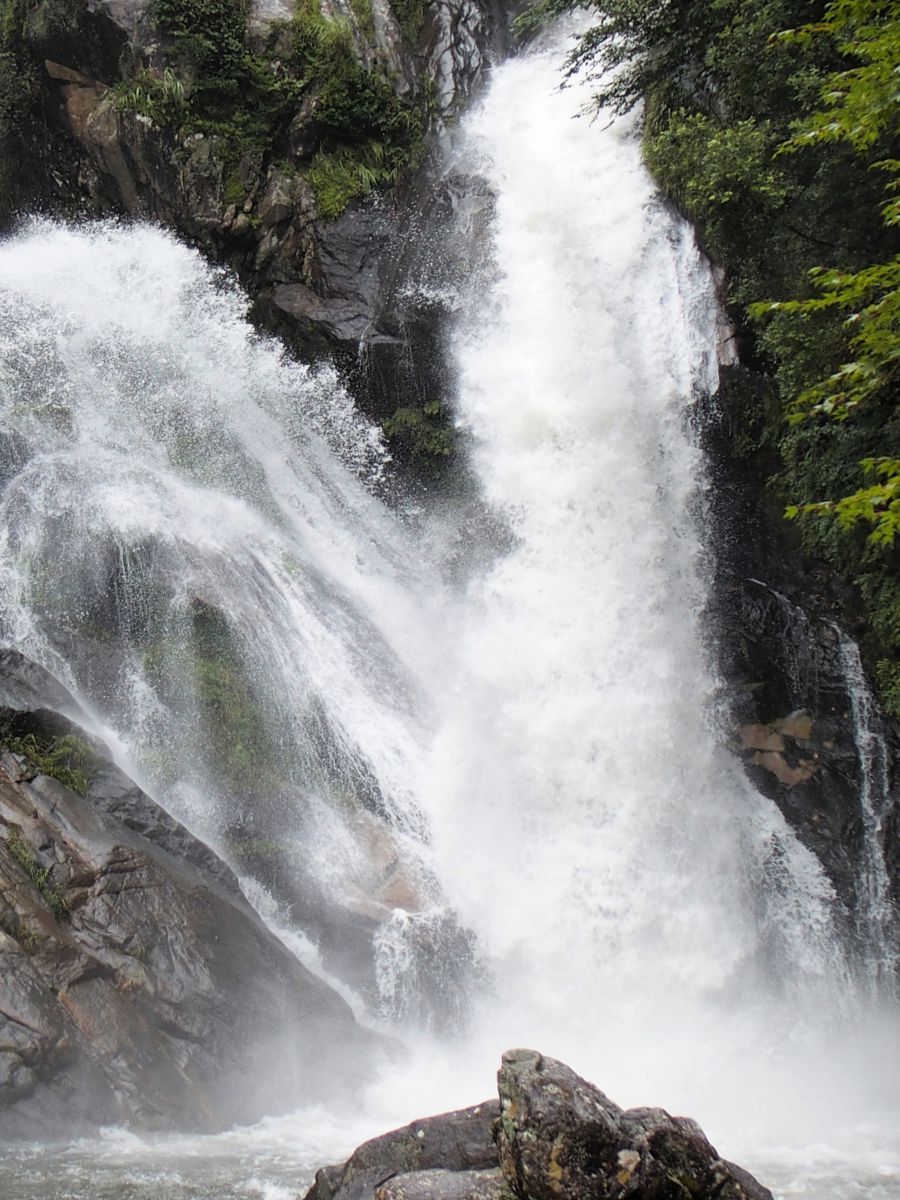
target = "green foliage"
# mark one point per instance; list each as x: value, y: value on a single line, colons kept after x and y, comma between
x: 17, y: 88
x: 719, y: 174
x: 410, y: 16
x: 860, y: 106
x: 362, y: 11
x: 68, y: 758
x: 367, y: 134
x: 25, y: 856
x: 161, y: 98
x: 349, y: 174
x: 421, y: 434
x: 209, y: 35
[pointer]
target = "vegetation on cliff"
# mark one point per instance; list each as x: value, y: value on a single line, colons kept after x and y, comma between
x: 775, y: 126
x: 366, y: 133
x: 215, y: 75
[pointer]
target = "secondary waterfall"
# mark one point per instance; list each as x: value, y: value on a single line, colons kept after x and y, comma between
x: 193, y: 526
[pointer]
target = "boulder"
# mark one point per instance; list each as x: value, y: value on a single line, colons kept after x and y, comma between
x: 553, y: 1137
x: 560, y: 1136
x: 435, y: 1147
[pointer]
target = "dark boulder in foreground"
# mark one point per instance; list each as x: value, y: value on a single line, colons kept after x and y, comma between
x: 136, y: 983
x: 561, y: 1136
x: 554, y: 1137
x: 458, y: 1142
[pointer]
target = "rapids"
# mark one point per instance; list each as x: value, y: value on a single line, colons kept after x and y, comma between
x: 540, y: 728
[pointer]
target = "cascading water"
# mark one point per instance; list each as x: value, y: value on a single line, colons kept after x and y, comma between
x: 875, y: 919
x: 191, y: 527
x: 187, y: 544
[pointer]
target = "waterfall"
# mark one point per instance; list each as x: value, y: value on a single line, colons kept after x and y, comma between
x: 196, y: 536
x: 190, y: 539
x: 875, y: 921
x: 643, y: 911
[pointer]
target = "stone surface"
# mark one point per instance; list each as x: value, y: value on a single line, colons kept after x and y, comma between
x: 446, y: 1185
x: 136, y: 984
x: 453, y: 1142
x: 331, y: 286
x: 774, y: 618
x: 553, y: 1137
x: 560, y: 1136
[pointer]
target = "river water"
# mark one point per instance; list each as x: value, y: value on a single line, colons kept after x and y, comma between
x: 533, y: 714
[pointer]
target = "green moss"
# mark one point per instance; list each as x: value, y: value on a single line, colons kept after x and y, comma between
x: 233, y: 191
x: 25, y: 856
x: 254, y: 850
x: 237, y: 744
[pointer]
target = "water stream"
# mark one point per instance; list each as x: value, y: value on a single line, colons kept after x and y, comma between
x: 536, y: 733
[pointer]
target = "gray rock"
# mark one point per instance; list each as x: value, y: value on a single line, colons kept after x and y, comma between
x: 453, y: 1142
x: 446, y: 1185
x: 136, y: 984
x: 560, y: 1136
x: 329, y: 285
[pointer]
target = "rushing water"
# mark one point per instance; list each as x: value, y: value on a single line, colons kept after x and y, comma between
x: 538, y: 737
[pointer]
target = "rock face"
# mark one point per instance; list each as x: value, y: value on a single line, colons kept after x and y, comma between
x: 110, y: 117
x: 554, y: 1136
x: 797, y: 702
x: 136, y: 984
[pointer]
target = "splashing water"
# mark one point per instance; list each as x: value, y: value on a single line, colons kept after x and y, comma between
x: 537, y: 741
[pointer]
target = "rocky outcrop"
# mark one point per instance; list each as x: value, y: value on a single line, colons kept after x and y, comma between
x: 554, y: 1135
x: 117, y: 111
x: 137, y: 985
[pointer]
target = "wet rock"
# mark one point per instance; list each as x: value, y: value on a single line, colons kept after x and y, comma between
x: 798, y: 725
x: 560, y: 1136
x: 760, y: 737
x: 329, y: 285
x: 446, y: 1185
x: 781, y: 625
x: 553, y: 1137
x: 453, y: 1142
x: 777, y: 765
x: 136, y: 984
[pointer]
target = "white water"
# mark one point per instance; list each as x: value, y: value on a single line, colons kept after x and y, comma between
x: 541, y: 739
x: 875, y: 917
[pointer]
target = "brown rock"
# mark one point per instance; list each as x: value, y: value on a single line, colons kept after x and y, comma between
x: 760, y: 737
x: 798, y: 725
x: 778, y: 765
x: 136, y: 984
